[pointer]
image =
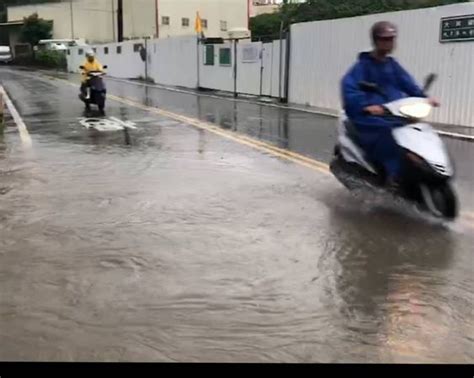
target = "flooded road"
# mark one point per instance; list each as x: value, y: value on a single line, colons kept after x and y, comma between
x: 172, y: 243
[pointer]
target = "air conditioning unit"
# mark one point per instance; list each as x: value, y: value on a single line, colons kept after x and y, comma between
x: 239, y: 33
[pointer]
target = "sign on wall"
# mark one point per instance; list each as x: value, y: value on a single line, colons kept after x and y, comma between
x: 457, y: 29
x: 250, y: 53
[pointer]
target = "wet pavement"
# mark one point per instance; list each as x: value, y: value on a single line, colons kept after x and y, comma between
x: 170, y: 243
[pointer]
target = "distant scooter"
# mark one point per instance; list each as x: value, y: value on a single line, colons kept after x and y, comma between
x: 427, y: 168
x: 96, y: 91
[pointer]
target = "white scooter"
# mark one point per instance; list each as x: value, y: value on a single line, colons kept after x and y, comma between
x: 427, y: 170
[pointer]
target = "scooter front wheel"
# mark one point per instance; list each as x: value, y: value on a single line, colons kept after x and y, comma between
x: 101, y: 103
x: 440, y: 200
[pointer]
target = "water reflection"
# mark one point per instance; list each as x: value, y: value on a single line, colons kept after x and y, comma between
x: 392, y: 294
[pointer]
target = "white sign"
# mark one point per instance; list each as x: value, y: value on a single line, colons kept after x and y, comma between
x: 106, y: 124
x: 250, y: 53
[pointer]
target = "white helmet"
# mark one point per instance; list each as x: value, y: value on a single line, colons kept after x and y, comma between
x: 90, y: 53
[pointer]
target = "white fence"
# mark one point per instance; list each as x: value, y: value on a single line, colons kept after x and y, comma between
x: 217, y: 75
x: 169, y: 61
x: 321, y: 53
x: 123, y: 59
x: 258, y: 68
x: 174, y: 61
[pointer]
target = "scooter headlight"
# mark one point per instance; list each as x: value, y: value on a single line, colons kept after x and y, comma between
x: 419, y: 110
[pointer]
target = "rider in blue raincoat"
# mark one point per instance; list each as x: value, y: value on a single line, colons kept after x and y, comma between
x: 364, y: 108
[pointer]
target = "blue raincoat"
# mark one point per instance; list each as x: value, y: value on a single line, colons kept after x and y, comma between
x: 375, y: 133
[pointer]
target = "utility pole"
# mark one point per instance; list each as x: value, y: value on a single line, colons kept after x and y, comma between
x: 72, y: 18
x: 236, y: 41
x: 113, y: 21
x: 120, y: 20
x: 281, y: 63
x: 157, y: 19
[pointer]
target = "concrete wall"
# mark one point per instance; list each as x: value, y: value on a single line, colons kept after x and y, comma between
x: 15, y: 38
x: 126, y: 65
x: 173, y: 61
x: 321, y: 53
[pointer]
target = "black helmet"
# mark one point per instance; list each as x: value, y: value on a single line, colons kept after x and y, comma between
x: 383, y: 29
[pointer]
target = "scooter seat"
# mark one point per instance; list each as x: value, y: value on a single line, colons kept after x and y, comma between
x: 353, y: 135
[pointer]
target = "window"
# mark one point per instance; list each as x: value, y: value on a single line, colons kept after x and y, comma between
x: 137, y: 47
x: 165, y: 20
x: 81, y: 52
x: 209, y: 56
x: 204, y: 23
x: 223, y: 25
x: 225, y: 56
x: 106, y: 50
x: 95, y: 50
x: 119, y: 49
x: 185, y: 22
x: 68, y: 52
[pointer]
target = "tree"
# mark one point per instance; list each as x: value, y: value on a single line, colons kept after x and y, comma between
x: 35, y: 29
x: 266, y: 26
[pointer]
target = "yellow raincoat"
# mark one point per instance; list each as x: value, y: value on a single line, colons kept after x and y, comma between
x: 89, y: 67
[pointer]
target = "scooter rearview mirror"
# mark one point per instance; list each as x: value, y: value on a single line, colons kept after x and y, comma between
x: 429, y: 82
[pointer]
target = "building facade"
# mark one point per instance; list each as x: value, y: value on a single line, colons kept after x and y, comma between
x: 96, y: 21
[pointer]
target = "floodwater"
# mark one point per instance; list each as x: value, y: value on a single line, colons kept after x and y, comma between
x: 170, y: 243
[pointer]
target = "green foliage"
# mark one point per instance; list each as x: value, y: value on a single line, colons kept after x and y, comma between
x: 51, y: 59
x: 35, y: 29
x: 266, y: 26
